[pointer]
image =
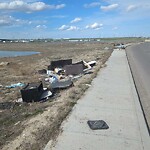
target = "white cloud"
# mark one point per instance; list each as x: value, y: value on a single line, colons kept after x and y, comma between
x: 19, y: 5
x: 94, y: 4
x: 72, y: 28
x: 6, y: 21
x: 131, y: 8
x: 41, y: 27
x: 95, y: 26
x: 63, y: 27
x: 59, y: 6
x: 115, y: 28
x: 11, y: 21
x: 76, y: 20
x: 109, y: 7
x: 68, y: 28
x: 58, y: 16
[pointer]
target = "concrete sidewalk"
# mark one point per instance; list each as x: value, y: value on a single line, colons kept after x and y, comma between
x: 112, y: 98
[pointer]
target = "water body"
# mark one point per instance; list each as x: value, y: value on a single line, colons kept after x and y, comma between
x: 16, y: 53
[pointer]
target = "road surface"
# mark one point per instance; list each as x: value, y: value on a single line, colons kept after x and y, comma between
x: 139, y: 59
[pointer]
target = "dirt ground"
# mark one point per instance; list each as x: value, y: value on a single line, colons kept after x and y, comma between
x: 31, y: 125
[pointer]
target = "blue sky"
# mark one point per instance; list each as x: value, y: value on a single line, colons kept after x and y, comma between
x: 74, y: 18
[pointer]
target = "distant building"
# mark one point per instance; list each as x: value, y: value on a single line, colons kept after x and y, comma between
x: 147, y: 40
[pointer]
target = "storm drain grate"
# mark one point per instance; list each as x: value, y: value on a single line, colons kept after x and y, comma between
x: 97, y: 124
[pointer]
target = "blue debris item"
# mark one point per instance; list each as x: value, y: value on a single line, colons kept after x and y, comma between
x: 15, y: 85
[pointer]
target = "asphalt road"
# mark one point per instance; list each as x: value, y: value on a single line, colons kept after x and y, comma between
x: 139, y: 60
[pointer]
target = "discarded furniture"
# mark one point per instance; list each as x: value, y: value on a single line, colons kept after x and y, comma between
x: 59, y: 64
x: 92, y: 63
x: 61, y: 84
x: 56, y: 83
x: 32, y: 92
x: 46, y: 94
x: 74, y: 69
x: 86, y: 66
x: 81, y: 62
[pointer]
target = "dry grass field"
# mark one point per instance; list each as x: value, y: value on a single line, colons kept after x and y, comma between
x: 32, y: 125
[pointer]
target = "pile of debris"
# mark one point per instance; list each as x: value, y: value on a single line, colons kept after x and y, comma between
x: 60, y: 75
x: 120, y: 46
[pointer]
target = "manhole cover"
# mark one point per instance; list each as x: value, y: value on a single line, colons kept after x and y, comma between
x: 97, y: 124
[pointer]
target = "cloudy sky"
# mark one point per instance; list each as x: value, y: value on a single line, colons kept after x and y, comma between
x: 74, y: 19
